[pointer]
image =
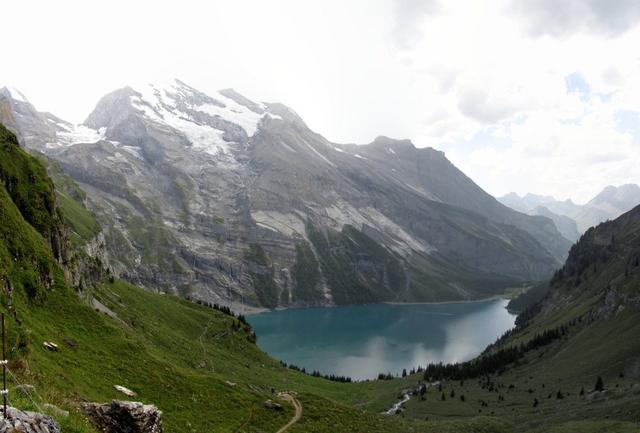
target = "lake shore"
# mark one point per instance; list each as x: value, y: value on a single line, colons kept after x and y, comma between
x: 507, y: 295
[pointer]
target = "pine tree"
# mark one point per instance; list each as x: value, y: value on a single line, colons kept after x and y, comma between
x: 443, y: 397
x: 535, y: 402
x: 599, y: 384
x: 453, y: 393
x: 559, y: 395
x: 423, y: 391
x: 404, y: 372
x: 462, y: 398
x: 582, y: 391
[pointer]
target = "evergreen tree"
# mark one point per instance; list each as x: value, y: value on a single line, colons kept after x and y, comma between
x: 535, y: 402
x: 453, y: 393
x: 559, y: 395
x: 404, y: 372
x: 462, y: 398
x: 599, y: 384
x: 443, y: 397
x: 423, y: 391
x: 582, y: 391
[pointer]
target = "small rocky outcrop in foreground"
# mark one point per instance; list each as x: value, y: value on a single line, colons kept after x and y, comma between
x: 27, y: 422
x: 124, y: 417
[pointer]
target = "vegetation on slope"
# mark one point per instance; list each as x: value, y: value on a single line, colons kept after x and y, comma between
x: 572, y: 363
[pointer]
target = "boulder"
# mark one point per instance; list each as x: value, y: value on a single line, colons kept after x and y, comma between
x: 269, y: 404
x: 124, y: 417
x: 27, y: 422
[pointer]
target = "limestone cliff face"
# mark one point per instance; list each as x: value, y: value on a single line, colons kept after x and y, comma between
x: 221, y: 198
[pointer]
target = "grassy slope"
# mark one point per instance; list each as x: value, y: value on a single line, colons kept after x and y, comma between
x: 601, y: 284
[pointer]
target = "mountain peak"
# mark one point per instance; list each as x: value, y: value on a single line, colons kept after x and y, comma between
x: 388, y: 141
x: 13, y: 93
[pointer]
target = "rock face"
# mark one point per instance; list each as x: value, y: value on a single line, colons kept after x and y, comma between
x: 27, y: 422
x: 124, y: 417
x: 227, y: 200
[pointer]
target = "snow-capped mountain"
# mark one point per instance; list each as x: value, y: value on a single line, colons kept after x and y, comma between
x: 226, y: 199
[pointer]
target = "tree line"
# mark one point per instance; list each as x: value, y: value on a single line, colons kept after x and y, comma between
x: 495, y: 362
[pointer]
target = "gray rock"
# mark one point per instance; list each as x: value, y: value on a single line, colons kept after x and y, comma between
x: 270, y: 404
x: 124, y: 417
x: 27, y: 422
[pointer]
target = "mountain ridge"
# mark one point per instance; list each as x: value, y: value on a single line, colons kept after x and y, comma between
x: 608, y: 204
x: 185, y: 183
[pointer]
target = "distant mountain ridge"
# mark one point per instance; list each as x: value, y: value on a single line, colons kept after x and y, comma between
x: 224, y: 199
x: 609, y: 204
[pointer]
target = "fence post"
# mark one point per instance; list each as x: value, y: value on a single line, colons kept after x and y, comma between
x: 4, y: 369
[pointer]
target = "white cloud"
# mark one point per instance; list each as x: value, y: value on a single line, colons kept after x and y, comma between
x: 410, y: 16
x: 483, y: 80
x: 563, y: 18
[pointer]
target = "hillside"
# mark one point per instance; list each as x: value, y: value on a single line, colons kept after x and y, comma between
x: 543, y: 374
x: 228, y: 200
x: 199, y: 365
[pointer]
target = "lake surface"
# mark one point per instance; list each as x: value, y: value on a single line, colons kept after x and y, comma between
x: 361, y: 341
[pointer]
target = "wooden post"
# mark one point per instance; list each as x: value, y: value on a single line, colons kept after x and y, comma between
x: 4, y: 369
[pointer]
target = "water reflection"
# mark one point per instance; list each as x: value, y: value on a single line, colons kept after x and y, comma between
x: 362, y: 341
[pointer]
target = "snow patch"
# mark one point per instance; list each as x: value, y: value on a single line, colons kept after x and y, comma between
x: 359, y: 156
x: 170, y: 104
x: 422, y: 192
x: 74, y: 134
x: 391, y: 151
x: 324, y: 158
x: 16, y: 94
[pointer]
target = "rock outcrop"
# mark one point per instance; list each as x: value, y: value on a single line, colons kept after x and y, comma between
x: 124, y: 417
x: 27, y: 422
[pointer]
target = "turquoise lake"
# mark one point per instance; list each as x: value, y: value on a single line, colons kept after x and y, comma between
x: 361, y: 341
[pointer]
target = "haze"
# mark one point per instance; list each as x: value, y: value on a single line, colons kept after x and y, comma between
x: 536, y: 96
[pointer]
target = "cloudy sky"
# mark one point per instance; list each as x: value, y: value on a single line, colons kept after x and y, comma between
x: 523, y: 95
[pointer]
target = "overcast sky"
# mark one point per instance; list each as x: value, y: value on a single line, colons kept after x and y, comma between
x: 535, y: 96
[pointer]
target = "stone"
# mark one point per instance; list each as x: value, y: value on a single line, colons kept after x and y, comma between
x: 27, y: 422
x: 126, y: 391
x: 269, y: 404
x: 49, y: 345
x: 124, y: 417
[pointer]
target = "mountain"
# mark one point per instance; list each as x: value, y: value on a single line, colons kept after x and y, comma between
x: 228, y: 200
x: 608, y: 204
